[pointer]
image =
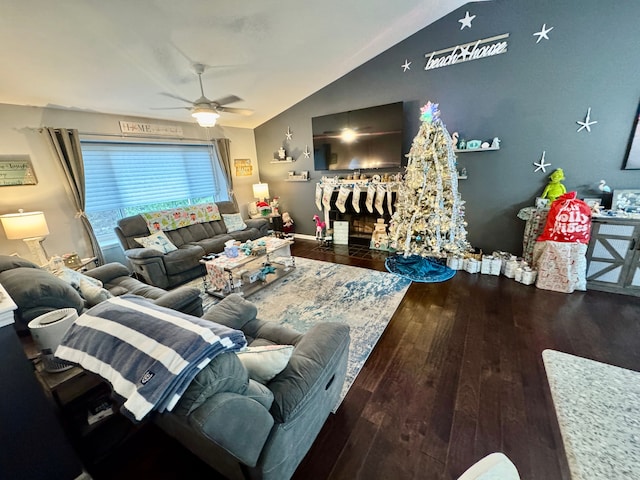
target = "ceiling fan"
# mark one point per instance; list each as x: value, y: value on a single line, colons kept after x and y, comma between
x: 206, y: 111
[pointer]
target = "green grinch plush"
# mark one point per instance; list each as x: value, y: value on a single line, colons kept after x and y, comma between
x: 554, y: 188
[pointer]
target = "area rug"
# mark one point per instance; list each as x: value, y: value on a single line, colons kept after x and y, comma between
x: 327, y: 292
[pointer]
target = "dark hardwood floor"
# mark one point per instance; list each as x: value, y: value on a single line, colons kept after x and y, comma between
x: 457, y: 374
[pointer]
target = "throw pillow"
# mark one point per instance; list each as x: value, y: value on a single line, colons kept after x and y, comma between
x: 234, y: 222
x: 264, y: 363
x: 89, y: 288
x: 157, y: 241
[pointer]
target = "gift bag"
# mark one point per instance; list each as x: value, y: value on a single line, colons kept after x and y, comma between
x: 569, y: 220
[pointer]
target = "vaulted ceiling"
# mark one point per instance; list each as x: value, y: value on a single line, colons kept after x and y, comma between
x: 122, y: 56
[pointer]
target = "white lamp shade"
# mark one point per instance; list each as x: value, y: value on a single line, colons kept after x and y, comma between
x: 18, y: 226
x: 205, y: 117
x: 261, y: 190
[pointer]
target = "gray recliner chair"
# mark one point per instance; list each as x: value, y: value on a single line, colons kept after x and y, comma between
x: 245, y: 429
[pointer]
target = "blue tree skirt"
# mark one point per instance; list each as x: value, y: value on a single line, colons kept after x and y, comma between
x: 418, y: 269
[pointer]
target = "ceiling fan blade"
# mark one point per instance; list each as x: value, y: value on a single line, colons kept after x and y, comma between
x: 170, y: 108
x: 176, y: 97
x: 227, y: 100
x: 238, y: 111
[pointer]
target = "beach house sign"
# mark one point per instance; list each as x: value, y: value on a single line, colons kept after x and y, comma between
x: 486, y: 47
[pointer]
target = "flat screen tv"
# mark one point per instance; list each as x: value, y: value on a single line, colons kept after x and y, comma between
x: 369, y: 138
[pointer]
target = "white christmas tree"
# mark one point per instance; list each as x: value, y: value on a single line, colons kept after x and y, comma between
x: 429, y: 216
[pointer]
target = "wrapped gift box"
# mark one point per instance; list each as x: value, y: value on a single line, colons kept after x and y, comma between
x: 471, y: 265
x: 490, y: 265
x: 455, y: 262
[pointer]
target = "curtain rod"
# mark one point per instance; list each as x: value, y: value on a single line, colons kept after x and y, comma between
x: 156, y: 137
x: 124, y: 135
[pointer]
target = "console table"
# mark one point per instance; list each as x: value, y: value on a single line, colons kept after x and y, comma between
x: 613, y: 255
x: 598, y: 410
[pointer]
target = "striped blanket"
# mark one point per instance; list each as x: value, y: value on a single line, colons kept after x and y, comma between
x: 149, y: 354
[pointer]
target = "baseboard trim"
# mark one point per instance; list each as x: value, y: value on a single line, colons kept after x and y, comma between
x: 302, y: 236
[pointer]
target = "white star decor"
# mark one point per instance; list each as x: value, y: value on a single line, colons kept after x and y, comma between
x: 543, y: 33
x: 466, y: 21
x: 406, y: 65
x: 289, y: 135
x: 587, y: 122
x: 541, y: 165
x: 306, y: 152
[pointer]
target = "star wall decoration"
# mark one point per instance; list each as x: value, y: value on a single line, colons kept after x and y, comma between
x: 587, y: 122
x: 289, y: 134
x: 541, y: 165
x: 466, y: 21
x: 543, y: 33
x: 306, y: 153
x: 406, y: 65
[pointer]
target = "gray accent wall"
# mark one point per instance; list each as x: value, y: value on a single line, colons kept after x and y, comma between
x: 530, y: 97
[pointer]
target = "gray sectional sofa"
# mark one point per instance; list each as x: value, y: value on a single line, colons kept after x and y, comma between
x: 245, y: 429
x: 37, y: 291
x: 166, y: 270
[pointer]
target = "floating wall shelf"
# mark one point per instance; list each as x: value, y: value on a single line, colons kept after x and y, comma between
x: 456, y: 150
x: 297, y: 179
x: 282, y: 161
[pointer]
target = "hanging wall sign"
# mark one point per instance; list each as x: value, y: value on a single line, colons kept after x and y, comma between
x: 150, y: 129
x: 243, y: 167
x: 17, y: 172
x: 486, y: 47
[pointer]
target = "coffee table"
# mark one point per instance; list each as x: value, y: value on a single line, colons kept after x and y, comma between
x: 244, y: 274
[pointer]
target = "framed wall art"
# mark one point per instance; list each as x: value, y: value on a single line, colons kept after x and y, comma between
x: 18, y: 171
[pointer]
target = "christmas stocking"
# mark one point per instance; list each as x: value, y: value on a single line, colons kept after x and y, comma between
x: 389, y: 202
x: 343, y: 193
x: 326, y: 196
x: 371, y: 192
x: 380, y: 199
x: 355, y: 200
x: 318, y: 196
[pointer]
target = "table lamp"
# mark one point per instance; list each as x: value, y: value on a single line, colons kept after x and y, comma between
x: 31, y: 227
x: 261, y: 191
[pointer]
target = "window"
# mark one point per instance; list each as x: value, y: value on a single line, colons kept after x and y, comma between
x: 123, y: 179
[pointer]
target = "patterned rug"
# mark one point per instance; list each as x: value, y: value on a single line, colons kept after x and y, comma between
x: 320, y: 292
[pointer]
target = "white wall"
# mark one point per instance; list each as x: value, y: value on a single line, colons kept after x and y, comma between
x: 19, y: 136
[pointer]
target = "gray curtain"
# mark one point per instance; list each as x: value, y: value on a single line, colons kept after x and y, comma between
x: 222, y: 149
x: 65, y: 145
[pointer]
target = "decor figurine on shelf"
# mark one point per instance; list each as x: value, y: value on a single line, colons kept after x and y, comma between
x: 281, y: 153
x: 554, y: 188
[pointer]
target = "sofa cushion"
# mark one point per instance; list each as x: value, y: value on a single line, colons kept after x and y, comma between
x: 9, y: 262
x: 37, y: 291
x: 214, y: 244
x: 224, y: 373
x: 264, y: 363
x: 233, y: 222
x: 157, y: 241
x: 246, y: 234
x: 184, y: 258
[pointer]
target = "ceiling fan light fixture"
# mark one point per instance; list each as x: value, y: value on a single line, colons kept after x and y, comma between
x: 205, y: 117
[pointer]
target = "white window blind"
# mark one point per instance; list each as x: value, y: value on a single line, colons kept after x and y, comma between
x: 123, y: 179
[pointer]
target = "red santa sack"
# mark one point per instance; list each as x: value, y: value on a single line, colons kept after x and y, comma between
x: 569, y: 220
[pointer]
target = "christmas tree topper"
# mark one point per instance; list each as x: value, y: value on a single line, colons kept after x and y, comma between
x: 429, y: 112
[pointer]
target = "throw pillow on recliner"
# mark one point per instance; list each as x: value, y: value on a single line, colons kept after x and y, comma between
x: 89, y: 288
x: 37, y: 291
